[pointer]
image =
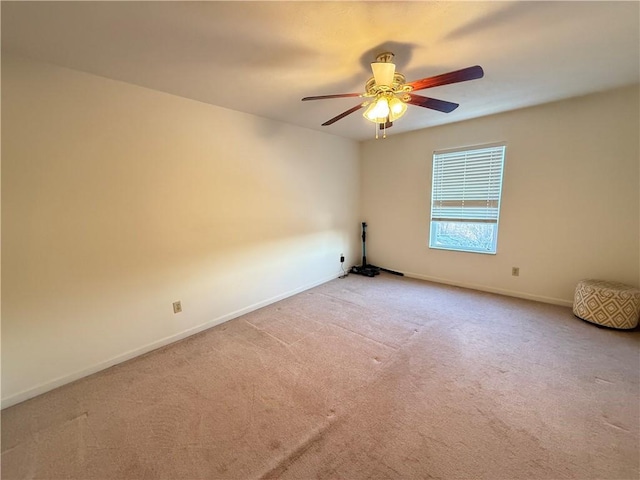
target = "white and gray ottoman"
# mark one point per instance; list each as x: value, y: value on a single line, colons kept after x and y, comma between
x: 610, y: 304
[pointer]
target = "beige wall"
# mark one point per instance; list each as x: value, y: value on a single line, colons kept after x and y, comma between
x: 570, y: 198
x: 119, y: 200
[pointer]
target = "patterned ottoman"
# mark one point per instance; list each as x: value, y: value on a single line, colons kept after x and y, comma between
x: 611, y: 304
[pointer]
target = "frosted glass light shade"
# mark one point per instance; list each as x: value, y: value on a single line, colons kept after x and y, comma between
x: 383, y: 73
x: 397, y: 108
x: 378, y: 111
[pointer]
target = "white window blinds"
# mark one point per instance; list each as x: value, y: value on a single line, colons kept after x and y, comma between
x: 467, y: 185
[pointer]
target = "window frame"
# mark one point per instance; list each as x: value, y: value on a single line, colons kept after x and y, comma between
x: 473, y: 216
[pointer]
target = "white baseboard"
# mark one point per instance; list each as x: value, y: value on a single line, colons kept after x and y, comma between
x: 500, y: 291
x: 63, y: 380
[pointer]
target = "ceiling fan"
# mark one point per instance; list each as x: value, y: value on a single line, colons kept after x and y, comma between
x: 388, y: 94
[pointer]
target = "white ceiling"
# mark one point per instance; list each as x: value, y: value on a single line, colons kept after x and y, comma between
x: 263, y: 57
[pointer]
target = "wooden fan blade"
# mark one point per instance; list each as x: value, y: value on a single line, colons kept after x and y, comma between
x: 343, y: 114
x: 338, y: 95
x: 470, y: 73
x: 432, y: 103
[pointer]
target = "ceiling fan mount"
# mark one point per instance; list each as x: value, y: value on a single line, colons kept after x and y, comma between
x: 385, y: 57
x: 388, y: 93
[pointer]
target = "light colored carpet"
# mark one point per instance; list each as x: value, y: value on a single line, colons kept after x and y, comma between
x: 359, y: 378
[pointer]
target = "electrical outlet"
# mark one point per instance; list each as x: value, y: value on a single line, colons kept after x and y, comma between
x: 342, y: 258
x: 515, y: 271
x: 177, y: 307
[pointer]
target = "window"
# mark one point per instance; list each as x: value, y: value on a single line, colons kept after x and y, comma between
x: 465, y: 199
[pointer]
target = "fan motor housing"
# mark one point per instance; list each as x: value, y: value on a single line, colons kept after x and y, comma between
x: 397, y: 86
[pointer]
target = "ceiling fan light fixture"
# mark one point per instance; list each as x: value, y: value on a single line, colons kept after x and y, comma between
x: 397, y: 108
x: 378, y: 110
